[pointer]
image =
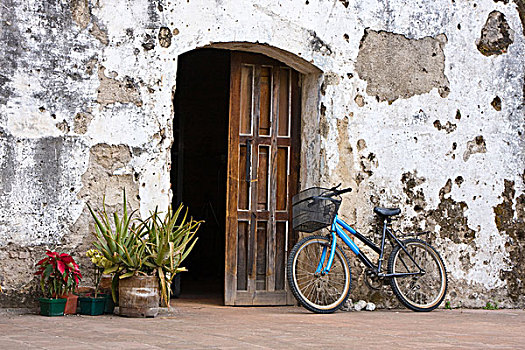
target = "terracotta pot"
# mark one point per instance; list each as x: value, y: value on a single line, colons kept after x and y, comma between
x: 139, y: 296
x: 71, y: 303
x: 105, y: 283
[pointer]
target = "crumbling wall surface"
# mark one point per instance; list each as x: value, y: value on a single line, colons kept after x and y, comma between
x: 419, y: 104
x: 71, y: 132
x: 449, y: 147
x: 397, y: 67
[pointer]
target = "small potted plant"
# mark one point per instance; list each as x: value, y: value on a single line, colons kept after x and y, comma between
x: 95, y: 304
x: 59, y: 275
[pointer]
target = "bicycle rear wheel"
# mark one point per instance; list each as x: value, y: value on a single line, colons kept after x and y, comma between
x: 418, y: 292
x: 317, y: 292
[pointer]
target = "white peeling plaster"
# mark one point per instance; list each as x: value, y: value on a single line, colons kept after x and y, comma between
x: 23, y: 116
x: 388, y: 130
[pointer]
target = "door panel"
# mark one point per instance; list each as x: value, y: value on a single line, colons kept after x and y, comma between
x: 262, y: 172
x: 263, y: 176
x: 246, y: 100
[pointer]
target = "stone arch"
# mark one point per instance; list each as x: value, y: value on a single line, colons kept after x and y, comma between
x: 299, y: 64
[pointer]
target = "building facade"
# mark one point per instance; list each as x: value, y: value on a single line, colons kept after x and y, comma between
x: 416, y: 104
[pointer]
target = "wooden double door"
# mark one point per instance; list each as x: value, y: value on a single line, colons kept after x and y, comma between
x: 263, y: 162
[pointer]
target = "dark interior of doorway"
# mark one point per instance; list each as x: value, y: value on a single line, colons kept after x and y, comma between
x: 199, y: 161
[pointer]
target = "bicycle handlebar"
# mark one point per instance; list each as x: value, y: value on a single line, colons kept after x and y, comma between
x: 344, y: 190
x: 335, y: 187
x: 336, y: 192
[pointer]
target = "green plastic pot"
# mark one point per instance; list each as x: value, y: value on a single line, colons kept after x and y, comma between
x: 52, y: 307
x: 92, y: 306
x: 110, y: 305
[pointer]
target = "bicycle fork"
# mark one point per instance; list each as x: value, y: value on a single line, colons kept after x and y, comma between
x: 336, y: 230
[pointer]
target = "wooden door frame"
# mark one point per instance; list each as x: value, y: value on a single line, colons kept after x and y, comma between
x: 231, y: 295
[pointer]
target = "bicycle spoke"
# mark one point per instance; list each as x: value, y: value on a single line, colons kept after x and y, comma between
x: 312, y: 265
x: 316, y: 255
x: 309, y: 288
x: 304, y: 272
x: 315, y: 262
x: 334, y: 285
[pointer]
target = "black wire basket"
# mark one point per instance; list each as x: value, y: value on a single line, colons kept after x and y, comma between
x: 312, y: 212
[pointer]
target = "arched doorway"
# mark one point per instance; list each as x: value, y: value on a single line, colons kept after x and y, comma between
x: 235, y: 164
x: 199, y: 162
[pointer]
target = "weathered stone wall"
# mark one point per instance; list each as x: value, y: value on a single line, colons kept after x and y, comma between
x: 419, y: 104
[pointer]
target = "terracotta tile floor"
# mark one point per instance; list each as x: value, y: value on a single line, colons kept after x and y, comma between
x: 205, y: 324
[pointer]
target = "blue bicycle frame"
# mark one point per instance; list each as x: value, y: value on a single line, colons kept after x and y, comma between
x: 338, y: 230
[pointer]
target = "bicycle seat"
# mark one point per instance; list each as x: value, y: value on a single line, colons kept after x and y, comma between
x: 387, y: 211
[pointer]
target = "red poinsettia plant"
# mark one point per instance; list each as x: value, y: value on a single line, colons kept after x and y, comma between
x: 59, y: 274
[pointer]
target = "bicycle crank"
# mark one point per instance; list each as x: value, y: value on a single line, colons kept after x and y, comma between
x: 372, y: 280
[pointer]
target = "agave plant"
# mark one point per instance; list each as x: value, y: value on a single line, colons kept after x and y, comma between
x: 120, y: 242
x: 154, y: 246
x: 169, y: 243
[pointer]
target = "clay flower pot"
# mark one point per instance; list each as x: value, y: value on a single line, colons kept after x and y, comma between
x: 139, y: 296
x: 71, y: 303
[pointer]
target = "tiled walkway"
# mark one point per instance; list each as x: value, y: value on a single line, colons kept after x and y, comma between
x: 208, y: 325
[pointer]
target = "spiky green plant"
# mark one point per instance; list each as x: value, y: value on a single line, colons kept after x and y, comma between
x: 170, y: 240
x: 120, y: 241
x: 154, y: 246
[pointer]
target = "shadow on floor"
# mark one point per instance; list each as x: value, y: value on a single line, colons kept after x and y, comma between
x: 202, y: 292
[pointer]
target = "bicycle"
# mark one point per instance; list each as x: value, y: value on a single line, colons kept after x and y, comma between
x: 319, y: 271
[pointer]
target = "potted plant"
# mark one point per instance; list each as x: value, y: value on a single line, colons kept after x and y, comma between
x: 95, y: 304
x: 143, y: 255
x: 114, y: 239
x: 170, y: 240
x: 59, y: 275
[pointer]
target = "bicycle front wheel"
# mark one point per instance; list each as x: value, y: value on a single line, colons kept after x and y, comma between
x: 421, y: 292
x: 318, y: 292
